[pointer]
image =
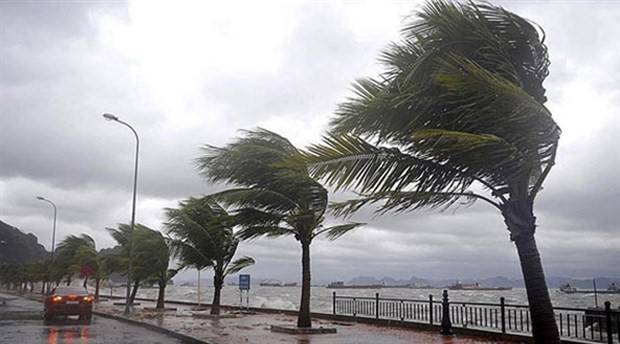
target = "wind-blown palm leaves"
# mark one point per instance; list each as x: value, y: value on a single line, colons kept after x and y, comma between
x: 273, y: 195
x: 460, y: 104
x: 203, y: 237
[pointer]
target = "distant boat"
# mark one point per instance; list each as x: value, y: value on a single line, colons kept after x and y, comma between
x: 399, y: 286
x: 292, y: 284
x: 270, y: 283
x: 409, y: 286
x: 569, y: 289
x: 474, y: 286
x: 341, y: 285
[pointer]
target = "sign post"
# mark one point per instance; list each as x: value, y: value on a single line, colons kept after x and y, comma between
x: 244, y: 285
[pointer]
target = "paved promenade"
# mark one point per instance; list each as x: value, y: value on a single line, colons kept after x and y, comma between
x: 254, y: 328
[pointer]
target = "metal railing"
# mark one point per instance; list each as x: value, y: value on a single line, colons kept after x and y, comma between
x: 593, y: 325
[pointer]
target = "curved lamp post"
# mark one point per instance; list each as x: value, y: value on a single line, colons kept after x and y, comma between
x: 53, y: 239
x: 111, y: 117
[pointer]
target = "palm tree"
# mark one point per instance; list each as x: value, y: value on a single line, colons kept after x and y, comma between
x: 79, y: 252
x: 76, y: 252
x: 35, y: 272
x: 158, y: 263
x: 458, y: 115
x: 203, y: 237
x: 151, y: 257
x: 275, y: 195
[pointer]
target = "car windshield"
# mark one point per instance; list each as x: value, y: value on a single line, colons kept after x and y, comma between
x: 64, y: 290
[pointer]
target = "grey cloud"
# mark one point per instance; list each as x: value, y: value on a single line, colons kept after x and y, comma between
x: 305, y: 85
x: 58, y: 76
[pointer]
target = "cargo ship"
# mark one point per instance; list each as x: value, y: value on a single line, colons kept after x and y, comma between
x: 341, y: 285
x: 569, y: 289
x: 474, y: 286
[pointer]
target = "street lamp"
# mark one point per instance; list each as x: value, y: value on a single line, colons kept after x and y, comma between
x: 111, y: 117
x: 53, y: 239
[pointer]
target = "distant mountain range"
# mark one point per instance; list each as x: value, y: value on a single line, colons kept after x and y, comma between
x: 498, y: 281
x: 16, y: 247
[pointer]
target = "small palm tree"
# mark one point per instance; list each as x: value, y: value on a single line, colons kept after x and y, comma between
x: 203, y: 237
x: 151, y: 257
x: 78, y: 252
x: 275, y: 197
x: 457, y: 116
x: 35, y: 272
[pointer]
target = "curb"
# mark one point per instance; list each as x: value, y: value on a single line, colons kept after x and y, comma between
x: 183, y: 337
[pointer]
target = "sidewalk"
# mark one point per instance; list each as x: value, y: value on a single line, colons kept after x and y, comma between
x: 234, y: 328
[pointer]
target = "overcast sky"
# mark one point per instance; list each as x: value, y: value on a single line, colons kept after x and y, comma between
x: 191, y: 73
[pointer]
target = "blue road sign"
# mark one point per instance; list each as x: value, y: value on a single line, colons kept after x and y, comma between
x: 244, y: 282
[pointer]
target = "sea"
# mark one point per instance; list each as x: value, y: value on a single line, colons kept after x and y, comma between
x: 321, y: 297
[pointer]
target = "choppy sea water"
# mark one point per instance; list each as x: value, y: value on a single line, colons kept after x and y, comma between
x: 321, y: 297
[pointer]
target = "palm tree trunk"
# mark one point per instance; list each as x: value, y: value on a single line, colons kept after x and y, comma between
x: 136, y: 284
x: 544, y: 327
x: 161, y: 294
x: 97, y: 285
x: 218, y: 282
x: 303, y: 319
x: 521, y: 222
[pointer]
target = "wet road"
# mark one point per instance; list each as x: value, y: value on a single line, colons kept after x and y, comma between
x: 20, y: 323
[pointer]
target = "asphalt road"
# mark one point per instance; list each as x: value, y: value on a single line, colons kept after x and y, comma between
x: 21, y: 323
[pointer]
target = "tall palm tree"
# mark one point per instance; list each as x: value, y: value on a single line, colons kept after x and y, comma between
x: 458, y: 115
x: 203, y: 237
x: 274, y: 197
x: 461, y: 103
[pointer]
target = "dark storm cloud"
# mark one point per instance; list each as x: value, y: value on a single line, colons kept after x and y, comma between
x: 60, y: 70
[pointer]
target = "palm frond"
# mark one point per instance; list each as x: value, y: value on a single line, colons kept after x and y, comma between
x: 251, y: 232
x: 239, y: 265
x: 335, y: 232
x: 402, y: 201
x: 350, y: 162
x: 260, y: 198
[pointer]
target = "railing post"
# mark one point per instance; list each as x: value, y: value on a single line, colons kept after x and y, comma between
x: 377, y: 305
x: 334, y: 303
x: 502, y: 306
x: 610, y: 338
x: 446, y: 324
x: 430, y: 309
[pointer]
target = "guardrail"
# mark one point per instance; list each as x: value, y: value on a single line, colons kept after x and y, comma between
x: 589, y: 324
